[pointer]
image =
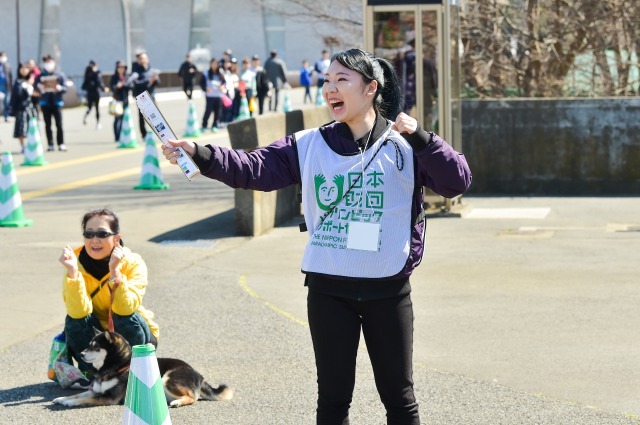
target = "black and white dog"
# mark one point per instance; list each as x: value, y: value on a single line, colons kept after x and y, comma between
x: 110, y: 355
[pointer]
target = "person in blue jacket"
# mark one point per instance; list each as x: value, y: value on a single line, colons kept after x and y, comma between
x: 6, y: 84
x: 305, y: 80
x: 362, y: 178
x: 51, y: 85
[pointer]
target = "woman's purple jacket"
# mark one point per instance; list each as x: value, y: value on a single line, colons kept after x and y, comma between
x: 437, y: 166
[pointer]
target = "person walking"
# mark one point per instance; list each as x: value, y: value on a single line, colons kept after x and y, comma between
x: 305, y: 80
x: 248, y: 77
x: 103, y: 278
x: 362, y: 178
x: 120, y: 87
x: 93, y: 85
x: 263, y: 85
x: 51, y: 85
x: 6, y: 84
x: 214, y: 85
x: 277, y: 72
x: 320, y: 67
x: 187, y: 73
x: 233, y: 90
x: 21, y: 105
x: 146, y: 79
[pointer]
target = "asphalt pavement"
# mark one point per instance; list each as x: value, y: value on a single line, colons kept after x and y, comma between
x: 525, y: 308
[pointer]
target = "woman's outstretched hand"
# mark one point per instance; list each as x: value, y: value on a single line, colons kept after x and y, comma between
x: 405, y: 124
x: 69, y: 260
x: 171, y: 152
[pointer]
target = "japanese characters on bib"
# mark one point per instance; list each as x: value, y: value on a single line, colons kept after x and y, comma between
x: 357, y: 208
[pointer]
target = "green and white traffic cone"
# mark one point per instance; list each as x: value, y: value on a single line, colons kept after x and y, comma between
x: 286, y: 103
x: 11, y: 214
x: 319, y: 99
x: 128, y: 138
x: 33, y: 152
x: 192, y: 129
x: 145, y: 402
x: 151, y: 175
x: 244, y: 113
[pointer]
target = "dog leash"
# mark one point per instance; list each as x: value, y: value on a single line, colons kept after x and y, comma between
x: 112, y: 374
x: 111, y: 296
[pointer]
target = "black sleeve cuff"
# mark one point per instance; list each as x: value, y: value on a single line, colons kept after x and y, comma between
x: 202, y: 157
x: 419, y: 139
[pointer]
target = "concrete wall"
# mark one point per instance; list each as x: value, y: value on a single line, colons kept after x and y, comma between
x: 553, y: 146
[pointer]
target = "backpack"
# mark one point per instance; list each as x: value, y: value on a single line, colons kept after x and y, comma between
x: 262, y: 82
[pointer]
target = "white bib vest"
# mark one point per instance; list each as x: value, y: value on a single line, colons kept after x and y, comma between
x: 382, y: 195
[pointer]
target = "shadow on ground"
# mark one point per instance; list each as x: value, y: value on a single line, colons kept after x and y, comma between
x: 32, y: 394
x: 209, y: 229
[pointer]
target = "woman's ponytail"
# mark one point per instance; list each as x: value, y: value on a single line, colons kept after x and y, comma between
x: 390, y: 97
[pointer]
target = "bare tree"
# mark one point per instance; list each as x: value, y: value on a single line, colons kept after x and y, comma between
x: 342, y: 19
x: 533, y: 46
x: 527, y: 48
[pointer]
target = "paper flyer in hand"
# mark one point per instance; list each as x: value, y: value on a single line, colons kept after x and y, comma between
x: 49, y: 83
x: 160, y: 126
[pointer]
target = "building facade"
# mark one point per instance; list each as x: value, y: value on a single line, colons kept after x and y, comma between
x: 76, y: 31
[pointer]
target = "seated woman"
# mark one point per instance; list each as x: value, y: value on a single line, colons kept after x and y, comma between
x: 93, y: 271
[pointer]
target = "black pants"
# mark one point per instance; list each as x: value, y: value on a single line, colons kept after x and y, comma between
x: 93, y: 99
x: 141, y: 123
x: 273, y: 101
x: 307, y: 94
x: 235, y: 107
x: 187, y: 87
x: 47, y: 113
x: 387, y: 326
x: 117, y: 126
x: 261, y: 97
x: 212, y: 105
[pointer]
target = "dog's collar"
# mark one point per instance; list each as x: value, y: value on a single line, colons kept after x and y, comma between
x: 112, y: 374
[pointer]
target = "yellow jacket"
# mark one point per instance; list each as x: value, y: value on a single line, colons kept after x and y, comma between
x: 127, y: 299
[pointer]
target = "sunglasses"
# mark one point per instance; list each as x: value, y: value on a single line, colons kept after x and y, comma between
x: 101, y: 234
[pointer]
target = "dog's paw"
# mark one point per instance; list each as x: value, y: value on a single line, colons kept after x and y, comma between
x: 61, y: 400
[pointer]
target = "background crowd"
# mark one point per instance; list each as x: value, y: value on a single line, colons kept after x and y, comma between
x: 38, y: 91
